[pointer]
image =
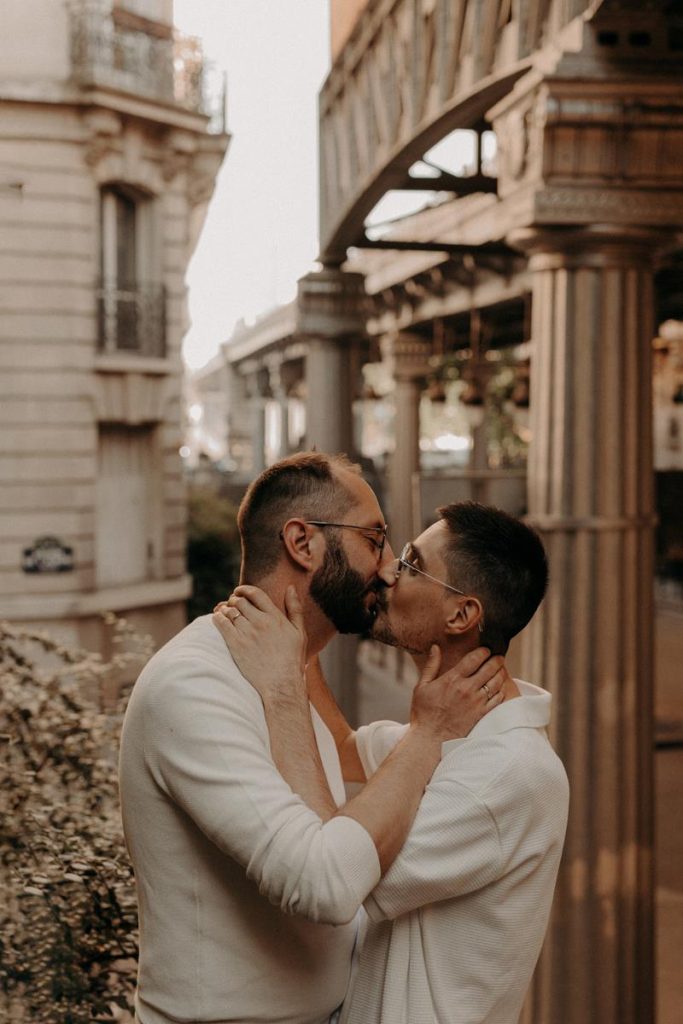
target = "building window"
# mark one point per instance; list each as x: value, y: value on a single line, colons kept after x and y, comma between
x: 131, y: 300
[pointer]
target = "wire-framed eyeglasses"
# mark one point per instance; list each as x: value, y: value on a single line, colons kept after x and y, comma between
x: 405, y: 562
x: 378, y: 543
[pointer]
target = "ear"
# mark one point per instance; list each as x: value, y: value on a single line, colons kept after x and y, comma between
x: 303, y: 544
x: 467, y: 613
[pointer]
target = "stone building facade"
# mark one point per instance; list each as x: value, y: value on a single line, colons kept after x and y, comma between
x: 108, y: 156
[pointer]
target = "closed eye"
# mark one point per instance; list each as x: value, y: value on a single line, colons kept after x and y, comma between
x: 409, y: 559
x: 412, y: 558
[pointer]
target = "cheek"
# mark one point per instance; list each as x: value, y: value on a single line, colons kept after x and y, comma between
x: 363, y: 562
x: 370, y: 573
x: 404, y: 607
x: 410, y: 610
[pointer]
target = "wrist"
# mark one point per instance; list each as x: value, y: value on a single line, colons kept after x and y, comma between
x: 289, y: 691
x: 427, y: 740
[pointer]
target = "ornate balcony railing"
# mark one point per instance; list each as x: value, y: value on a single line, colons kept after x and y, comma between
x: 132, y: 320
x: 171, y: 70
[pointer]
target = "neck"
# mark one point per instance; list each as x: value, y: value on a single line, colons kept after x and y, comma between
x: 452, y: 653
x: 319, y: 629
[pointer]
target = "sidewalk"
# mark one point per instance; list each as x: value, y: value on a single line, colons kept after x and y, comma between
x: 669, y: 788
x: 669, y: 813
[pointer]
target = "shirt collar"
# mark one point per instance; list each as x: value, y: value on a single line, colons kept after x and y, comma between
x: 531, y: 710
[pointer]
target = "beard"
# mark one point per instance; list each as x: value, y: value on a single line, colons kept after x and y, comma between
x: 340, y: 591
x: 383, y: 631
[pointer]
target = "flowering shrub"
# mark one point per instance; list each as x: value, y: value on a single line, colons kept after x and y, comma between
x: 68, y: 925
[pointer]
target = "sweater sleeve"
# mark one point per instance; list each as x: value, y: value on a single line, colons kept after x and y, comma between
x: 376, y: 741
x: 206, y: 747
x: 453, y: 848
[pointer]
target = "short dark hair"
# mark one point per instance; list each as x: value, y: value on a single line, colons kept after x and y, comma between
x: 498, y: 559
x: 307, y: 485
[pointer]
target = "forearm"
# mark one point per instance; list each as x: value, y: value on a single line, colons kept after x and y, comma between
x: 295, y: 751
x: 388, y: 803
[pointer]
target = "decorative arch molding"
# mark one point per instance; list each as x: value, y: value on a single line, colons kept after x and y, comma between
x: 116, y: 153
x: 412, y: 72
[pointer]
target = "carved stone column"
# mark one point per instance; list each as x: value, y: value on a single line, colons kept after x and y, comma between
x: 591, y: 497
x: 408, y: 355
x: 331, y: 317
x: 278, y: 386
x: 258, y: 388
x: 588, y: 140
x: 238, y: 414
x: 258, y: 435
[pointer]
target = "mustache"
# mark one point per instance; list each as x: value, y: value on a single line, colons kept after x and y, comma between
x: 379, y: 589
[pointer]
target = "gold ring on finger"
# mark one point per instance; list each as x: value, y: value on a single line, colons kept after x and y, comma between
x: 486, y: 691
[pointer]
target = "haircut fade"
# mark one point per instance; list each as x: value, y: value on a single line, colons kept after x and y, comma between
x: 307, y: 485
x: 498, y: 559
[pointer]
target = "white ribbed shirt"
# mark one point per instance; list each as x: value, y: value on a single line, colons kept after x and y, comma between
x: 456, y: 924
x: 224, y: 853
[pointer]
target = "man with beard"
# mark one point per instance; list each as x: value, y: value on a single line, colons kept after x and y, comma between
x: 221, y: 845
x: 457, y: 922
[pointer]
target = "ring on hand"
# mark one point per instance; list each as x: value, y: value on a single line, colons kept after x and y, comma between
x: 486, y: 691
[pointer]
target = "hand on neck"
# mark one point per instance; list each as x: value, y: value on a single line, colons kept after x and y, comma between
x: 319, y: 629
x: 452, y: 651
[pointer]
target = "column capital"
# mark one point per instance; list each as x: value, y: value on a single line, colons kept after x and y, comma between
x: 257, y: 383
x: 331, y: 304
x: 274, y: 366
x: 407, y: 354
x: 283, y: 374
x: 579, y: 146
x: 590, y: 245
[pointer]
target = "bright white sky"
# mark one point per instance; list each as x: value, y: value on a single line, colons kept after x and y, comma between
x: 261, y: 231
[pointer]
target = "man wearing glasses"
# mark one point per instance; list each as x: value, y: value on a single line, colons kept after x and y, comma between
x: 220, y: 843
x: 457, y: 921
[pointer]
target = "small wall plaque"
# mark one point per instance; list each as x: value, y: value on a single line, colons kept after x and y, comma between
x: 48, y: 554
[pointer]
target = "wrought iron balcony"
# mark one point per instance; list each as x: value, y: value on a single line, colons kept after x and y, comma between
x: 132, y: 320
x: 170, y: 70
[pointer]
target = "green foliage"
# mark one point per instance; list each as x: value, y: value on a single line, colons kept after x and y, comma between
x: 213, y: 549
x: 68, y: 924
x: 508, y: 443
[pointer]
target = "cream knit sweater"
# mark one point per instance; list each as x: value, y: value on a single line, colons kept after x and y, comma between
x: 224, y: 853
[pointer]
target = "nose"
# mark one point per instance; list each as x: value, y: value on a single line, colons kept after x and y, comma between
x: 388, y: 566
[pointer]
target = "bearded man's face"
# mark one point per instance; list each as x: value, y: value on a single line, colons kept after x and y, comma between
x: 348, y: 600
